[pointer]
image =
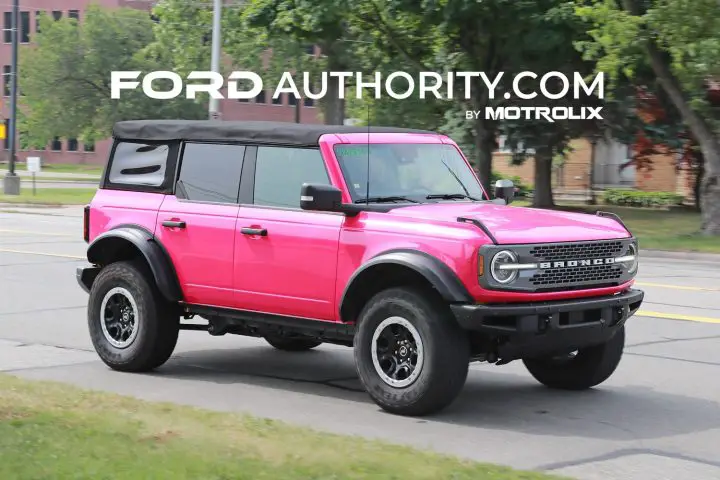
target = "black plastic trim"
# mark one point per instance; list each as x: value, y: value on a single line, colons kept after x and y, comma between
x: 481, y: 226
x: 154, y: 252
x: 229, y: 320
x: 85, y: 276
x: 528, y: 318
x: 615, y: 217
x: 440, y: 276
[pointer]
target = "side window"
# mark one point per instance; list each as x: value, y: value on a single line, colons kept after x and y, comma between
x: 280, y: 172
x: 210, y: 172
x: 139, y: 164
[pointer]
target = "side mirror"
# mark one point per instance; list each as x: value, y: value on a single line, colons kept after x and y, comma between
x: 505, y: 189
x: 324, y: 198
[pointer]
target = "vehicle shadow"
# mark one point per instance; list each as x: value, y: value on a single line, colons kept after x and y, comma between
x: 501, y: 398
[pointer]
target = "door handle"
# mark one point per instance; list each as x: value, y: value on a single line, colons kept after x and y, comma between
x: 173, y: 223
x: 254, y: 231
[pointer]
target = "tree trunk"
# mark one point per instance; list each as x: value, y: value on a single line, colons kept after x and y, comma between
x: 484, y: 141
x: 706, y: 139
x: 543, y: 196
x: 333, y: 105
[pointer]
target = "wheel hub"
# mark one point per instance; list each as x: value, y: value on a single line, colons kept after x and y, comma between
x: 118, y: 317
x: 397, y: 352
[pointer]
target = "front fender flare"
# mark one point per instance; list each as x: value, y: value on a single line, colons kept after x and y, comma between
x: 434, y: 270
x: 106, y: 246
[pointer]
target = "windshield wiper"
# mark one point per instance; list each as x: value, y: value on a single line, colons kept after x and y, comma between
x: 386, y: 199
x: 450, y: 196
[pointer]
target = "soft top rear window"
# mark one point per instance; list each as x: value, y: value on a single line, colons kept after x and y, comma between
x: 139, y: 164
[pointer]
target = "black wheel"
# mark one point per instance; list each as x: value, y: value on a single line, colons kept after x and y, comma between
x: 132, y: 327
x: 580, y: 370
x: 292, y: 344
x: 410, y: 353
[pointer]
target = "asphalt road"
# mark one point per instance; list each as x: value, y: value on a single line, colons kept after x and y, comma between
x: 657, y: 418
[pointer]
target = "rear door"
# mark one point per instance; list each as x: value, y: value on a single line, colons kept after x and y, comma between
x: 285, y: 257
x: 197, y: 223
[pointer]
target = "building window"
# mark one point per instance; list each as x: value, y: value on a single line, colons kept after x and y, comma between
x: 72, y: 145
x: 6, y: 80
x: 89, y: 147
x: 56, y: 145
x: 24, y: 27
x: 38, y: 15
x: 278, y: 100
x: 57, y: 15
x: 260, y: 97
x: 310, y: 49
x: 292, y: 100
x: 309, y: 102
x: 74, y: 14
x: 7, y: 27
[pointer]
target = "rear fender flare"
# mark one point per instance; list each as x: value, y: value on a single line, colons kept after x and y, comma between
x: 106, y: 248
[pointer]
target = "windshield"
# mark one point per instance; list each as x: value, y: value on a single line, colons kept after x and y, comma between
x: 407, y: 172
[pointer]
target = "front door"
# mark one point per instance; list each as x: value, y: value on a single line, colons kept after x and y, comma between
x: 285, y: 258
x: 197, y: 224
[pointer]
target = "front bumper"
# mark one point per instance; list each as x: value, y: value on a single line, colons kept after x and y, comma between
x: 85, y: 276
x: 537, y: 328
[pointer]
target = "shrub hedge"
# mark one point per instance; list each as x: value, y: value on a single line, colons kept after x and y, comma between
x: 637, y: 198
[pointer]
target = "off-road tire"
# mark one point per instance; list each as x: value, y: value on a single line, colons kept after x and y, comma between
x: 158, y: 321
x: 292, y: 344
x: 590, y: 367
x: 446, y: 352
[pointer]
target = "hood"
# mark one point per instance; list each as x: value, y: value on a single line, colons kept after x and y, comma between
x: 511, y: 225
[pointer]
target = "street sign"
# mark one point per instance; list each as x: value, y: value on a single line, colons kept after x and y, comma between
x: 3, y: 133
x: 33, y: 164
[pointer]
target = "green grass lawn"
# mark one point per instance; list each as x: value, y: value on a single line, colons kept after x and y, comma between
x: 50, y: 430
x: 51, y: 196
x: 656, y: 229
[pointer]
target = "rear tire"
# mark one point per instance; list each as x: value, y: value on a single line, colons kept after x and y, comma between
x: 433, y: 353
x: 132, y: 327
x: 292, y: 344
x: 589, y: 367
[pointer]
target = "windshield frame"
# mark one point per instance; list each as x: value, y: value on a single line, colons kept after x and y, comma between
x: 412, y: 199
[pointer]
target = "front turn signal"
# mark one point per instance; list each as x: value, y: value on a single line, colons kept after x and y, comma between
x: 481, y: 265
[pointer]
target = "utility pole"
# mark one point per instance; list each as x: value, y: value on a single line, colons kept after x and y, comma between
x: 214, y: 111
x: 11, y: 182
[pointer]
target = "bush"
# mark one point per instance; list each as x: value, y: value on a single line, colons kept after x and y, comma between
x: 636, y: 198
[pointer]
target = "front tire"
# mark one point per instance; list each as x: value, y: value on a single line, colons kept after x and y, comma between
x: 132, y: 327
x: 588, y: 368
x: 411, y: 355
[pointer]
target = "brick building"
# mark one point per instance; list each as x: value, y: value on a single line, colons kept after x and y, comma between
x: 69, y: 150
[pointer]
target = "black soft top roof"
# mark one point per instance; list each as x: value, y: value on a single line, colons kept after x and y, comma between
x: 277, y: 133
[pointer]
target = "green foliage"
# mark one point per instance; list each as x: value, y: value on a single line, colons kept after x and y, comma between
x: 65, y: 77
x: 637, y: 198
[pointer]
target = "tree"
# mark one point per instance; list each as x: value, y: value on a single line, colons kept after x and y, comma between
x: 65, y: 77
x: 679, y: 41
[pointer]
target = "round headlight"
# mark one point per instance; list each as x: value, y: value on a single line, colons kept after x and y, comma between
x: 504, y: 257
x: 633, y: 264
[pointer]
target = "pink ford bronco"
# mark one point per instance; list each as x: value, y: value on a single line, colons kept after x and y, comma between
x: 382, y: 240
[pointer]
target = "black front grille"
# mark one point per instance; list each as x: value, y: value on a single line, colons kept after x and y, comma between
x: 603, y: 274
x: 577, y: 274
x: 578, y: 251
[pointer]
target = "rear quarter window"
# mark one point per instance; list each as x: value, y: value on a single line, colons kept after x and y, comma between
x: 139, y: 164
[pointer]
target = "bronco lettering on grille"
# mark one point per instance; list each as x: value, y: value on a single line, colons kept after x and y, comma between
x: 577, y: 263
